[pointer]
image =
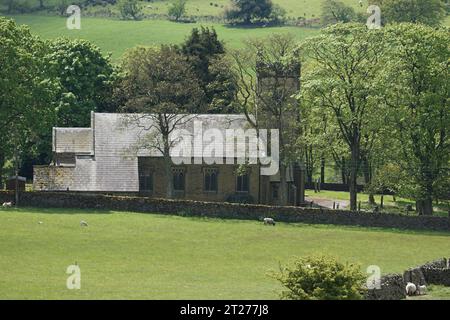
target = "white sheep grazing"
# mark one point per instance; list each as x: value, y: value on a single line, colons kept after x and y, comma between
x: 422, y: 290
x: 410, y: 288
x: 83, y: 223
x: 7, y: 204
x: 269, y: 221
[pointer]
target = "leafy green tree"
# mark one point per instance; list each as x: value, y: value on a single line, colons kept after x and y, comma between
x: 430, y: 12
x: 160, y: 84
x: 221, y: 90
x: 206, y: 54
x: 344, y: 61
x: 249, y: 11
x: 177, y: 9
x: 129, y: 9
x: 85, y: 77
x: 336, y: 11
x: 27, y: 91
x: 277, y: 15
x: 417, y: 93
x: 200, y: 47
x: 387, y: 179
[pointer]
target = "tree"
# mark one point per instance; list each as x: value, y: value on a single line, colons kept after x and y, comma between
x: 344, y: 62
x: 419, y: 105
x: 129, y: 9
x: 27, y: 91
x: 206, y: 54
x: 430, y: 12
x: 267, y: 72
x: 85, y: 77
x: 177, y: 9
x: 160, y: 86
x: 387, y: 178
x: 336, y: 11
x: 249, y: 11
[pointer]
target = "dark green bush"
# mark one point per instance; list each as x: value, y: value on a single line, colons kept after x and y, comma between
x: 321, y: 278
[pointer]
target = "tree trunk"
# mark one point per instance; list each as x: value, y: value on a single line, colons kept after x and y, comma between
x: 168, y: 168
x: 372, y: 199
x: 41, y: 4
x: 309, y: 175
x: 353, y: 178
x: 2, y: 162
x: 424, y: 207
x: 10, y: 5
x: 367, y: 179
x: 16, y: 172
x: 283, y: 186
x: 425, y: 204
x: 322, y: 170
x: 344, y: 172
x: 309, y: 165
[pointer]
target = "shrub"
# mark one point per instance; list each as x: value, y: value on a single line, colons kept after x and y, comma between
x: 129, y: 9
x: 337, y: 11
x: 321, y: 278
x: 177, y: 9
x: 249, y: 11
x: 278, y: 15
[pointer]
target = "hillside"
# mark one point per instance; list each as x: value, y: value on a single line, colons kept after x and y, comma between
x: 116, y: 36
x: 294, y: 8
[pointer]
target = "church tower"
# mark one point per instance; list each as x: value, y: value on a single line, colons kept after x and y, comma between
x: 277, y: 108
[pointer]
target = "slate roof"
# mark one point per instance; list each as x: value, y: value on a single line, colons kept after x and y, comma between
x: 118, y: 134
x: 73, y: 140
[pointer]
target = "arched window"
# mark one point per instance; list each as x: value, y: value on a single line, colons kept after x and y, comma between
x: 210, y: 180
x: 179, y: 178
x: 242, y: 183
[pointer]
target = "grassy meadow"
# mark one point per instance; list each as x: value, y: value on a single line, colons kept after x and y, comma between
x: 294, y: 8
x: 116, y: 36
x: 308, y: 9
x: 150, y: 256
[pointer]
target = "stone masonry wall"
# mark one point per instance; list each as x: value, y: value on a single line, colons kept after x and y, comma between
x: 228, y: 210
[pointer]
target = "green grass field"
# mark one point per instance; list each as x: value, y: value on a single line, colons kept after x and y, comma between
x: 294, y: 8
x: 116, y: 36
x: 143, y: 256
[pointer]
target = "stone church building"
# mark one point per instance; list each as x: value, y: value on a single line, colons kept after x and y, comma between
x: 106, y: 158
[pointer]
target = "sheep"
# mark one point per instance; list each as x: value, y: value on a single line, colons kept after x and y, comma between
x: 422, y: 290
x: 7, y: 204
x: 410, y: 289
x: 269, y: 221
x: 83, y: 223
